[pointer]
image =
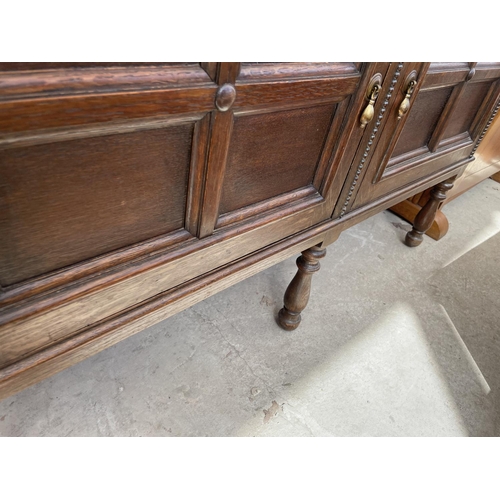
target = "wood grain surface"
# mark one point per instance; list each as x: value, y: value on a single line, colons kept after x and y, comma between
x: 71, y: 201
x: 131, y: 191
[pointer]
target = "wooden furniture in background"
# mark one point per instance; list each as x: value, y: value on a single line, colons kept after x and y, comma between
x: 129, y: 192
x: 486, y: 164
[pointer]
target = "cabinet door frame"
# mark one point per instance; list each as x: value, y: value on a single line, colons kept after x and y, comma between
x: 372, y: 139
x: 385, y: 173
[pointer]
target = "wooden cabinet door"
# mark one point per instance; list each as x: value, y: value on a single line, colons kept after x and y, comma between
x: 448, y: 109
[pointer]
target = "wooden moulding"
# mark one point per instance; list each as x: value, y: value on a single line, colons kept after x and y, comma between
x: 93, y: 266
x: 307, y: 194
x: 143, y: 313
x: 106, y: 333
x: 32, y: 101
x: 300, y: 91
x: 46, y: 319
x: 290, y: 71
x: 94, y: 80
x: 414, y: 170
x: 423, y: 155
x: 292, y: 84
x: 71, y: 133
x: 443, y: 74
x: 35, y: 114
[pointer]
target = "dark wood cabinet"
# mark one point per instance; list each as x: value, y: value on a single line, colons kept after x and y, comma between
x: 129, y: 192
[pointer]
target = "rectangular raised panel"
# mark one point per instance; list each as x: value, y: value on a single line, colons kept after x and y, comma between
x: 273, y: 153
x: 466, y: 109
x: 421, y: 122
x: 69, y: 201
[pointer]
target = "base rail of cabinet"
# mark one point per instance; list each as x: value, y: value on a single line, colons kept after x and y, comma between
x: 98, y: 336
x: 110, y: 331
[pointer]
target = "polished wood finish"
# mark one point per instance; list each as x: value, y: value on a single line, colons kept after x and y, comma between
x: 131, y: 191
x: 287, y: 163
x: 298, y: 291
x: 47, y: 229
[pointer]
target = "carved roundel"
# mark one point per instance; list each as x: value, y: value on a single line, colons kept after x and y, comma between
x: 225, y: 97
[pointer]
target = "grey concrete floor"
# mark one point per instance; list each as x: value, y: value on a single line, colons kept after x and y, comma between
x: 394, y: 342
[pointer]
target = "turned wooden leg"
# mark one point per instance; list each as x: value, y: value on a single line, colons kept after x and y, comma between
x: 299, y: 289
x: 423, y: 220
x: 408, y: 210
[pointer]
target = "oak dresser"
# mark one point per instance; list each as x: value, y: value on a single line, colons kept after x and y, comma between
x: 129, y: 192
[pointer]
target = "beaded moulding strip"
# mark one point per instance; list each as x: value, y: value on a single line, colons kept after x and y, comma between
x: 361, y: 165
x: 487, y: 126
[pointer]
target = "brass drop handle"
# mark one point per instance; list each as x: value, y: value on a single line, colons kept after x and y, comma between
x: 405, y: 104
x: 369, y: 111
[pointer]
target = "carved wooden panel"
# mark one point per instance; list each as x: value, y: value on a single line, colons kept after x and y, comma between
x: 96, y: 165
x: 69, y: 201
x: 445, y: 110
x: 290, y: 123
x: 450, y: 101
x: 258, y: 169
x: 275, y: 145
x: 464, y: 112
x: 422, y: 120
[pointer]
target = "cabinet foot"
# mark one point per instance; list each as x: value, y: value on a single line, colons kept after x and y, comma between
x: 299, y: 289
x: 408, y: 210
x: 425, y: 217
